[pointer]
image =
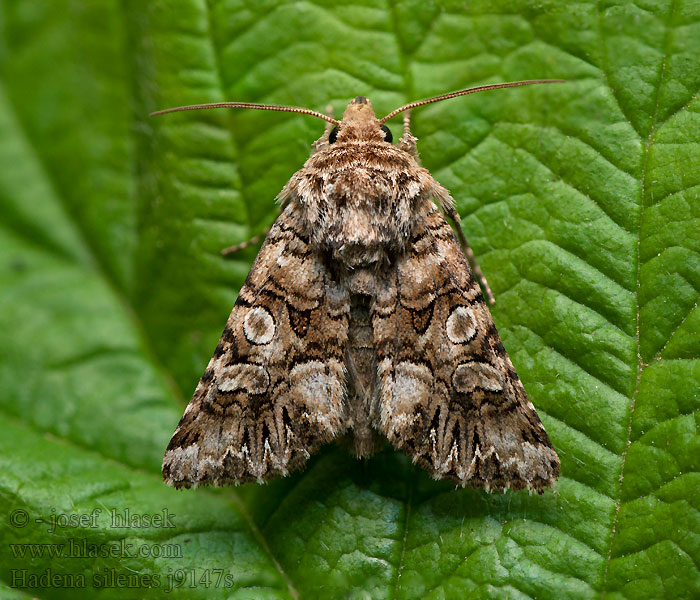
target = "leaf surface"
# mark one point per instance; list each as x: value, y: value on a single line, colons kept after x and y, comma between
x: 581, y: 202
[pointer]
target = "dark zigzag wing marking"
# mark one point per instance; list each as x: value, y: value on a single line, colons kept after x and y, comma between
x: 450, y: 397
x: 274, y: 389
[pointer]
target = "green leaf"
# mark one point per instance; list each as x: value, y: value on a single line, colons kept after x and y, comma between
x: 580, y: 200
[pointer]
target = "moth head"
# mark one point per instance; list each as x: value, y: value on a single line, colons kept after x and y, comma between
x: 359, y: 123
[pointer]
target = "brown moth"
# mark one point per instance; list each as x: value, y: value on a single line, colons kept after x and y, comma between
x: 361, y: 319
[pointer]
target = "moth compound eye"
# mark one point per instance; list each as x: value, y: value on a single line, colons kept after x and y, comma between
x: 333, y: 135
x: 387, y: 134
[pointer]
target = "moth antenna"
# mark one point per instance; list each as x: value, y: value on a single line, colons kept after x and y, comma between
x: 480, y: 88
x: 295, y: 109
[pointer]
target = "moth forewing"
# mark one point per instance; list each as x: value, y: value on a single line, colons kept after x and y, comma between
x: 361, y: 316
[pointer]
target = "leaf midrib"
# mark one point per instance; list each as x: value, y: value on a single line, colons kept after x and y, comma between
x: 96, y: 263
x: 654, y: 126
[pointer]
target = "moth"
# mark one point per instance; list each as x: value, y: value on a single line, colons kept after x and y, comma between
x: 361, y: 320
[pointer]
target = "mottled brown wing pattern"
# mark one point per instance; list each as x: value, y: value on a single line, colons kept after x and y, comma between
x: 449, y: 395
x: 274, y: 390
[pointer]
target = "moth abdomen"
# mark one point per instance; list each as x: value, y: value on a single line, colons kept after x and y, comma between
x: 361, y: 373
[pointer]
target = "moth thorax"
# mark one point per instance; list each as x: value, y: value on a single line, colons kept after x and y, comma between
x: 363, y: 226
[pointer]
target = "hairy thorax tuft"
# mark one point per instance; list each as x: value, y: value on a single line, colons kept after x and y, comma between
x: 360, y: 200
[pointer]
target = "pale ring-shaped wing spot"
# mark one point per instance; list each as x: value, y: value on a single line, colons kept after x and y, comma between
x: 461, y: 325
x: 259, y: 326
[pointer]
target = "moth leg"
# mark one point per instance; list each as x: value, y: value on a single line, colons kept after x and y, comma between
x: 469, y: 253
x: 407, y: 143
x: 443, y: 198
x: 242, y: 246
x: 322, y: 142
x: 475, y: 265
x: 329, y: 126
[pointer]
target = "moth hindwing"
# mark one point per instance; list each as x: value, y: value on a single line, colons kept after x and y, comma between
x: 361, y: 319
